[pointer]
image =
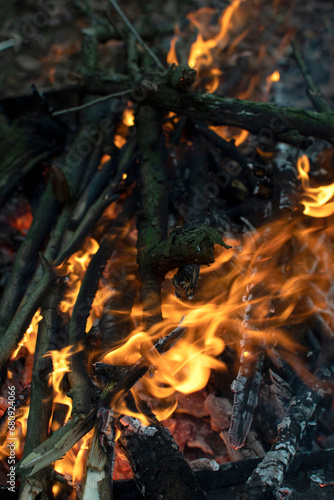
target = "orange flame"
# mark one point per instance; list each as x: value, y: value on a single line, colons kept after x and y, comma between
x: 316, y: 201
x: 201, y: 54
x: 273, y: 78
x: 104, y: 159
x: 257, y: 260
x: 172, y: 56
x: 119, y: 141
x: 226, y: 134
x: 19, y: 433
x: 122, y: 131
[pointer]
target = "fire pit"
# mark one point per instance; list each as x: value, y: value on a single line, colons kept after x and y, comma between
x: 166, y: 215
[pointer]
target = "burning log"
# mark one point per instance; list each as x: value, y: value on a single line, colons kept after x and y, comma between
x: 246, y: 385
x: 20, y: 402
x: 41, y: 391
x: 159, y: 468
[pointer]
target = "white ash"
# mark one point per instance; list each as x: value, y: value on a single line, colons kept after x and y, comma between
x: 204, y: 464
x: 135, y: 425
x: 317, y: 478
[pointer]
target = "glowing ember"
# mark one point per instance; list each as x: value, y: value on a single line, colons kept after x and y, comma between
x: 119, y: 141
x: 22, y: 222
x: 104, y: 159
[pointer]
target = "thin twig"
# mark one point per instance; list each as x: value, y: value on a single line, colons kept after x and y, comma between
x: 135, y: 33
x: 313, y: 92
x: 91, y: 103
x: 7, y: 44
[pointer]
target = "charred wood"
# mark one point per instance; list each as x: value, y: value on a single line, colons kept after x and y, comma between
x: 159, y: 467
x: 269, y: 474
x: 185, y: 246
x: 247, y: 384
x: 228, y: 149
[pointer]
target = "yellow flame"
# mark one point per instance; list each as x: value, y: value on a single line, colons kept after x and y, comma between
x: 128, y: 117
x: 201, y: 56
x: 73, y: 463
x: 19, y: 435
x: 29, y: 338
x: 76, y: 267
x: 275, y: 77
x: 79, y: 464
x: 316, y: 201
x: 61, y: 366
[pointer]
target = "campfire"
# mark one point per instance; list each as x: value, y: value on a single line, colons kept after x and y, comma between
x: 166, y: 258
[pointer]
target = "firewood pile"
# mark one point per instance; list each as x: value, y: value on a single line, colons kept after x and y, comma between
x: 166, y: 264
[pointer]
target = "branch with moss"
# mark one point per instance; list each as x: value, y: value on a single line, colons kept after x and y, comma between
x: 280, y: 123
x: 184, y: 246
x: 152, y: 218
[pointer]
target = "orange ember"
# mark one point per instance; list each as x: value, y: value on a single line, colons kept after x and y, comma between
x: 22, y: 222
